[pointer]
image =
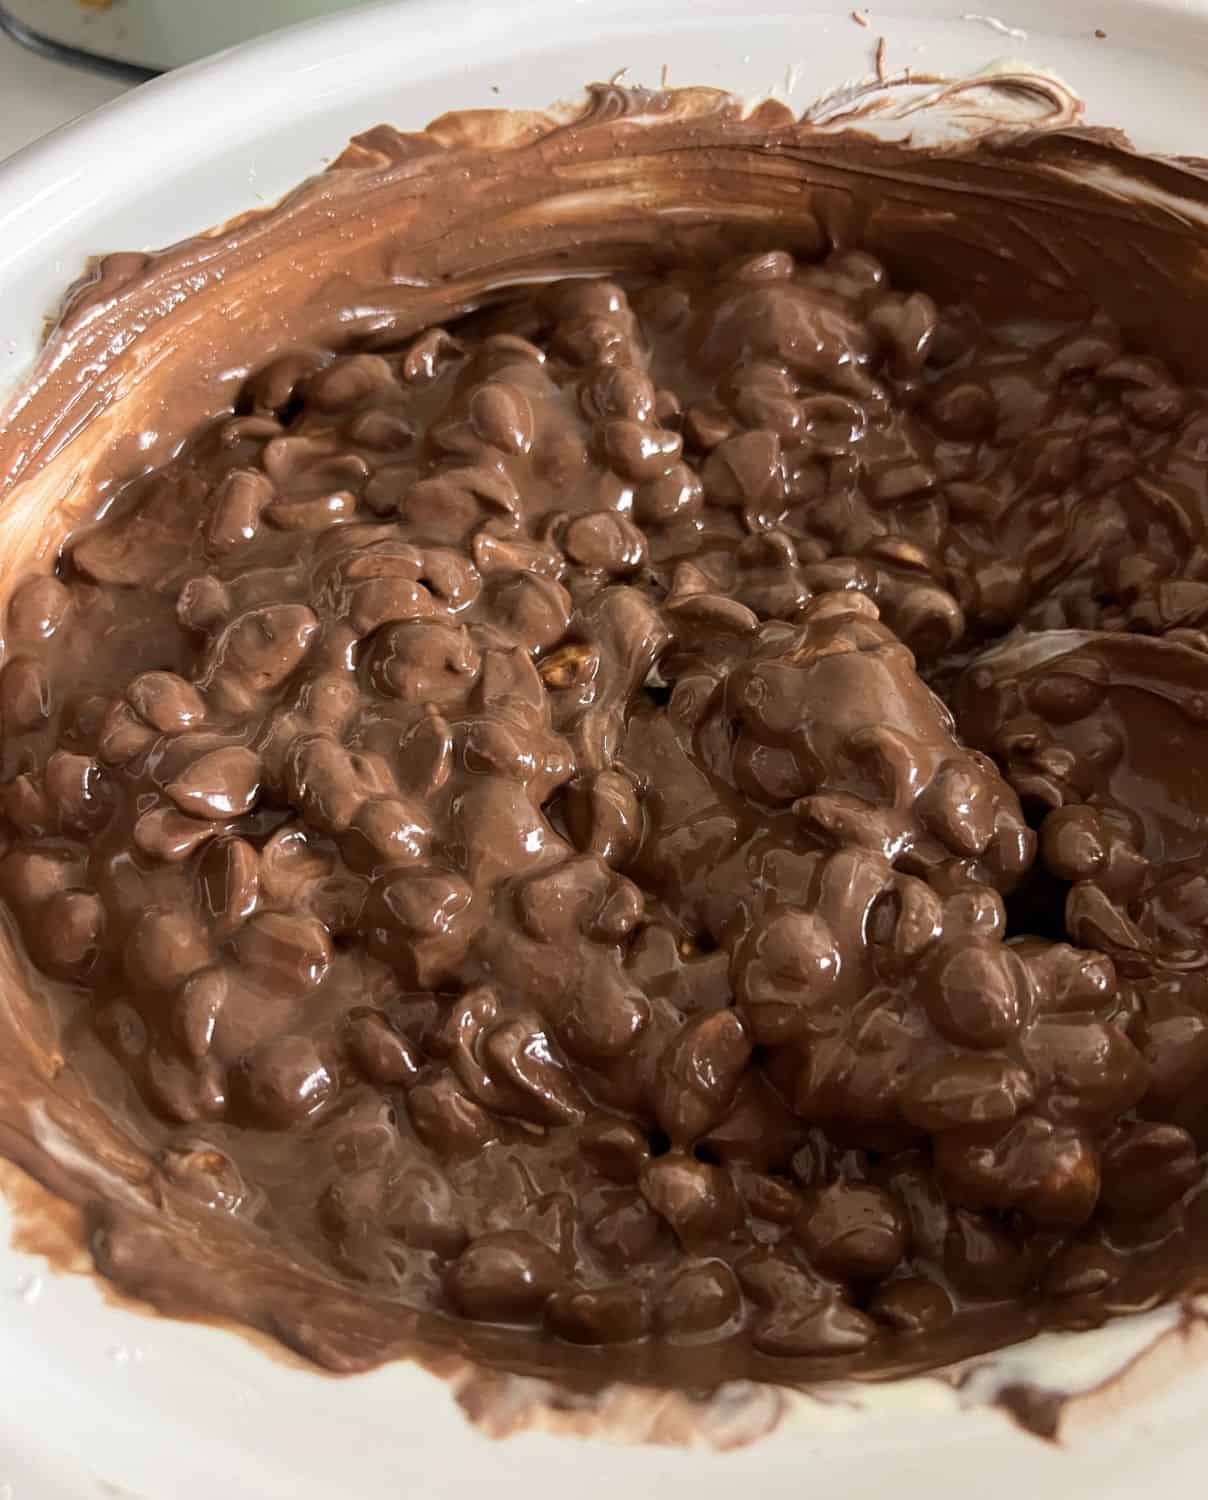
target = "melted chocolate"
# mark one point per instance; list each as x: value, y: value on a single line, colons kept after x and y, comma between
x: 652, y: 828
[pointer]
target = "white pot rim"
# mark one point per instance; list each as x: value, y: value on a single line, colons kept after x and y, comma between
x: 76, y: 193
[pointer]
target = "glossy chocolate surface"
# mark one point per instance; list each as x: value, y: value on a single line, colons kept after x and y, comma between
x: 654, y: 828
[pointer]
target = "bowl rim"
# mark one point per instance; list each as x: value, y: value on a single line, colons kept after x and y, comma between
x: 265, y: 69
x: 40, y: 177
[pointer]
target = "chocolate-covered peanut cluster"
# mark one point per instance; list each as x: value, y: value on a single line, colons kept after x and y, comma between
x: 663, y: 816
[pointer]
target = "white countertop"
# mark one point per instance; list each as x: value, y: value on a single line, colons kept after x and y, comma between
x: 37, y: 95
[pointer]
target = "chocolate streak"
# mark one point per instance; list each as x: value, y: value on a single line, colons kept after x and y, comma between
x: 493, y: 873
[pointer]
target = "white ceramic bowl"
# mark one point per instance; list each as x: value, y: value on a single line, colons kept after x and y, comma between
x: 100, y: 1399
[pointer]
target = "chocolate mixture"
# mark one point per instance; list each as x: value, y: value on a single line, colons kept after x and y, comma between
x: 655, y: 829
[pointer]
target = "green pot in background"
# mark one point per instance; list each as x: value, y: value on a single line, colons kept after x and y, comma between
x: 139, y: 38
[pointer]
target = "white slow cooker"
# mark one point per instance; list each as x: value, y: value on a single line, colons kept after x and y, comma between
x: 100, y: 1398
